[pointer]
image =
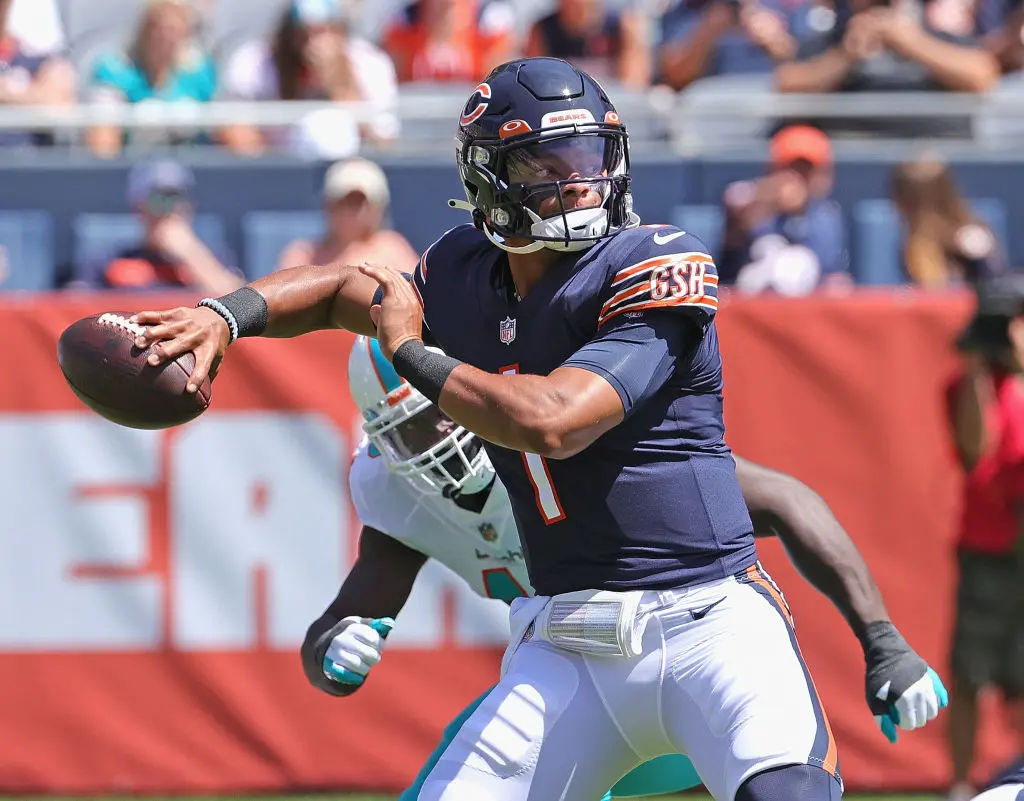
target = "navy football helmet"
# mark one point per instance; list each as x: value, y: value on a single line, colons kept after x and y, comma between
x: 534, y: 132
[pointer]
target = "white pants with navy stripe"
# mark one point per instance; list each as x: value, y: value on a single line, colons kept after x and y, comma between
x: 729, y: 689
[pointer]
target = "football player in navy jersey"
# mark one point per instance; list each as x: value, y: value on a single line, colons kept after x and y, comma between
x: 581, y: 346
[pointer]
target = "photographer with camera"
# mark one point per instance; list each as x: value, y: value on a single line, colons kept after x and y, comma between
x: 880, y: 45
x: 986, y: 414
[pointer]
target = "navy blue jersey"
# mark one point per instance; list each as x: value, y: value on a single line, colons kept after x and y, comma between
x: 654, y: 502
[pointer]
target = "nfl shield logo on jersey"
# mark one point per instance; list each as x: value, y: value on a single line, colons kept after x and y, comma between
x: 507, y: 331
x: 488, y: 532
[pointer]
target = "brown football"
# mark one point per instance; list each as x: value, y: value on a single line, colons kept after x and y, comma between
x: 110, y: 375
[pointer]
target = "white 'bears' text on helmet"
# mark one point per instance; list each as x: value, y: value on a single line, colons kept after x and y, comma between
x: 533, y: 132
x: 415, y: 438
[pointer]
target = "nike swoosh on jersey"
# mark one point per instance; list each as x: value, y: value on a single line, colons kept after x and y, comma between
x: 662, y: 239
x: 700, y: 614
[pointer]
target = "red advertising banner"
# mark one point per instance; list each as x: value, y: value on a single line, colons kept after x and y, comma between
x: 155, y: 586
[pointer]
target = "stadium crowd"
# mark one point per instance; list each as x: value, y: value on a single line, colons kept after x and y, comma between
x: 781, y: 232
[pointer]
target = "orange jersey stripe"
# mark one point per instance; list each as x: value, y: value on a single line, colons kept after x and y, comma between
x: 705, y: 302
x: 423, y: 262
x: 634, y: 291
x: 625, y: 294
x: 659, y: 261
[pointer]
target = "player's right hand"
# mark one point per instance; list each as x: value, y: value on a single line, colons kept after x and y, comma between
x: 355, y: 649
x: 198, y: 330
x: 399, y: 317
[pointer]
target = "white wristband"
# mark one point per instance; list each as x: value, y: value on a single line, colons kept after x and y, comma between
x: 225, y: 312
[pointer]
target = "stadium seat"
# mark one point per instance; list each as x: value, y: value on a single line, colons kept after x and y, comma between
x: 98, y: 236
x: 705, y: 220
x: 26, y: 251
x: 266, y: 233
x: 878, y: 237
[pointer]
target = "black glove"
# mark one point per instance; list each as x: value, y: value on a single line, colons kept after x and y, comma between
x: 902, y: 690
x: 314, y: 648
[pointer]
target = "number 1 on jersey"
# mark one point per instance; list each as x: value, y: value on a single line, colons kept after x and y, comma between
x: 537, y: 471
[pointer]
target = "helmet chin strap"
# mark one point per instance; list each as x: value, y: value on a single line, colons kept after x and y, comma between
x: 539, y: 226
x: 532, y: 247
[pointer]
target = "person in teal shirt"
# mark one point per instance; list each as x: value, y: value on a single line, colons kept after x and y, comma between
x: 163, y: 63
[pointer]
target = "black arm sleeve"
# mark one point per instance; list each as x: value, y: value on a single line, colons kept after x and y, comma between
x: 377, y: 586
x: 822, y: 551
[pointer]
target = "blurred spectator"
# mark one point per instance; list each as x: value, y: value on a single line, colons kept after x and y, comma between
x: 875, y: 46
x: 724, y: 37
x: 356, y: 198
x: 986, y: 414
x: 945, y: 243
x: 607, y: 45
x: 1001, y: 25
x: 170, y: 253
x: 30, y: 80
x: 783, y: 233
x: 163, y: 63
x: 314, y: 56
x: 450, y: 40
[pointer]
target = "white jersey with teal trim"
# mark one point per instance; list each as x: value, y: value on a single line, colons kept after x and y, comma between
x: 480, y: 547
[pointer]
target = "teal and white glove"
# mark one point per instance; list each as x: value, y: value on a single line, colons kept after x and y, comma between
x: 355, y: 648
x: 901, y: 689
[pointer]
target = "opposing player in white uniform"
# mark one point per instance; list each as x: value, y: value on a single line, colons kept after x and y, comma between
x: 424, y: 489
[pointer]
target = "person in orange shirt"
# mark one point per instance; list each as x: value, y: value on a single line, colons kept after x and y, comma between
x: 355, y: 198
x: 450, y: 40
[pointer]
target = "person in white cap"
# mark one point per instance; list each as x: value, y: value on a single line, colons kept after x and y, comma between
x: 356, y: 197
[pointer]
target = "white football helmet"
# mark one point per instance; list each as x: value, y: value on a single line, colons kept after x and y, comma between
x: 414, y: 437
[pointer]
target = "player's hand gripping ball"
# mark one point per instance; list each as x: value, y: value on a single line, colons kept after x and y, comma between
x: 103, y: 364
x: 399, y: 317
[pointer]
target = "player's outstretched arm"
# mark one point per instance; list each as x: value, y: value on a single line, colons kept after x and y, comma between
x: 784, y: 507
x: 902, y: 690
x: 347, y: 639
x: 286, y: 303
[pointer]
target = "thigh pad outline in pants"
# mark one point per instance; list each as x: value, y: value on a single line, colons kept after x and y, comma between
x: 738, y: 698
x: 542, y: 734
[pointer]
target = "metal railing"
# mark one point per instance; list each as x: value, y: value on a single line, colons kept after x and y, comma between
x: 712, y: 113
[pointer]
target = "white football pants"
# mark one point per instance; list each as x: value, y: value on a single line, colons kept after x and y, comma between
x: 719, y: 678
x: 1004, y: 792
